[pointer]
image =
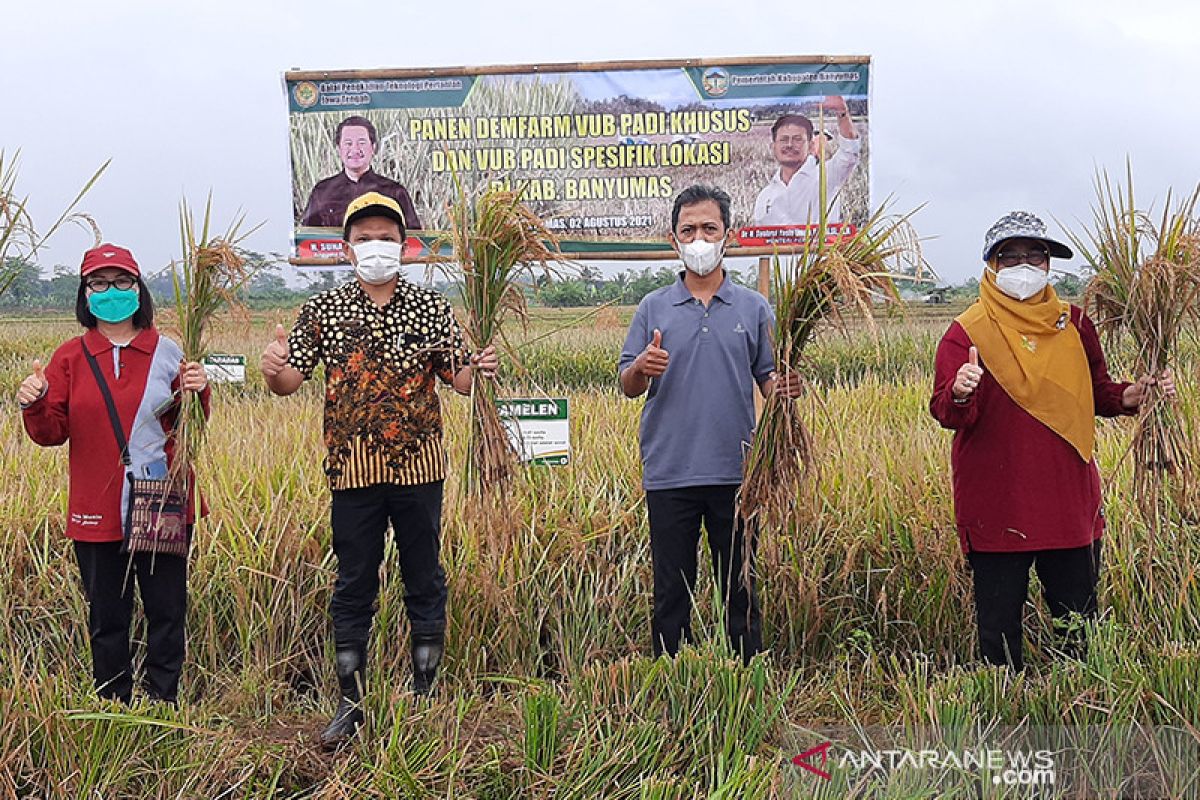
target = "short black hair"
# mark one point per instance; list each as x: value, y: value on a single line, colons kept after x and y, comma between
x: 792, y: 119
x: 700, y: 194
x: 355, y: 122
x: 143, y: 318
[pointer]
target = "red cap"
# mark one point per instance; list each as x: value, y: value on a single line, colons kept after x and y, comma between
x: 108, y: 255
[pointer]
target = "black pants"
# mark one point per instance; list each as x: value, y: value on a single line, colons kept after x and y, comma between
x: 108, y: 577
x: 360, y: 518
x: 675, y: 518
x: 1068, y: 579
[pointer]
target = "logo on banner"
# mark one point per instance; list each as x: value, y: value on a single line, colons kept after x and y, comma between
x: 716, y: 82
x: 306, y: 94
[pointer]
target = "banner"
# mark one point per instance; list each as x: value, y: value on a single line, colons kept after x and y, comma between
x: 599, y: 151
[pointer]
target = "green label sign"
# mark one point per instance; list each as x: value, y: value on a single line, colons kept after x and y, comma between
x: 539, y: 428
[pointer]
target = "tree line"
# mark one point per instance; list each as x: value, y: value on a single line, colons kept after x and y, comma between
x: 29, y: 290
x: 581, y: 287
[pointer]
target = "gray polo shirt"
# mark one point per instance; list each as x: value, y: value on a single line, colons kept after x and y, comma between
x: 699, y: 416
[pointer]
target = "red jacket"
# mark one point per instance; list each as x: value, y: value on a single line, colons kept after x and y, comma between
x: 72, y: 410
x: 1019, y: 486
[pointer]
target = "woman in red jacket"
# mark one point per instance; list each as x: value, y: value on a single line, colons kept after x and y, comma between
x: 64, y: 403
x: 1020, y: 378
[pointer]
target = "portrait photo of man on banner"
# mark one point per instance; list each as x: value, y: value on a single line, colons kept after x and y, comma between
x: 356, y: 141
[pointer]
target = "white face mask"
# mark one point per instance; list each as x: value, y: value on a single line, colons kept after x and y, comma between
x: 701, y: 257
x: 377, y: 261
x: 1022, y: 281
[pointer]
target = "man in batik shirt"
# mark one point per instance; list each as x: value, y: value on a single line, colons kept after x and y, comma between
x: 385, y: 343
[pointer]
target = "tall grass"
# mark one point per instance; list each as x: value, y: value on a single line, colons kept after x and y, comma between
x: 1146, y: 284
x: 497, y: 244
x: 19, y: 236
x: 207, y: 279
x: 815, y: 289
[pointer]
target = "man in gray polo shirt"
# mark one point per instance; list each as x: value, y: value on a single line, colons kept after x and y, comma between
x: 698, y: 348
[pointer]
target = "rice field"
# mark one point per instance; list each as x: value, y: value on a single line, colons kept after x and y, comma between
x: 548, y: 690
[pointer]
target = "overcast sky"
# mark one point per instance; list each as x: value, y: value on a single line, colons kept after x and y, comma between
x: 977, y: 108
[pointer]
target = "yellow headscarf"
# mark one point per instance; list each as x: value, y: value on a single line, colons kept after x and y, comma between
x: 1035, y: 354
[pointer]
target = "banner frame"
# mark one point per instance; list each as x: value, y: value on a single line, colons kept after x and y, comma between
x: 578, y: 66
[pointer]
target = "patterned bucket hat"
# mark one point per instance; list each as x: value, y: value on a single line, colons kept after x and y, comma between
x: 1021, y: 225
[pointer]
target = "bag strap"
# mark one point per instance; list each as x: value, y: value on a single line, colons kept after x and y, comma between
x: 113, y: 417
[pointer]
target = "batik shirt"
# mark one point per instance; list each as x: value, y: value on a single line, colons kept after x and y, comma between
x: 383, y: 421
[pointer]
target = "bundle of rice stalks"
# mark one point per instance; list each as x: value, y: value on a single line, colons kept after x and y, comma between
x: 19, y: 240
x: 498, y: 244
x: 1146, y: 284
x: 815, y: 288
x: 209, y: 278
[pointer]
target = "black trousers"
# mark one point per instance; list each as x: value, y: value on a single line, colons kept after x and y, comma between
x: 675, y: 519
x: 360, y: 518
x: 108, y: 578
x: 1068, y: 577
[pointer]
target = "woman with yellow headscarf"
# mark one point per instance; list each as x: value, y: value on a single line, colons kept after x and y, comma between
x: 1020, y: 378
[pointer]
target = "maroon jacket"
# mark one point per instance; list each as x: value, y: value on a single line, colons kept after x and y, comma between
x: 73, y: 411
x: 1019, y: 486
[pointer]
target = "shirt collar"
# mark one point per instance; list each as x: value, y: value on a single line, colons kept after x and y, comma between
x: 778, y: 179
x: 97, y: 343
x: 725, y: 290
x: 346, y: 177
x: 355, y: 290
x: 679, y: 293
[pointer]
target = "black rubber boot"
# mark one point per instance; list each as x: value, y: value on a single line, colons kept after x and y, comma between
x: 426, y: 655
x: 351, y: 675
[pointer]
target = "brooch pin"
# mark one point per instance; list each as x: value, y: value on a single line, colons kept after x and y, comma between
x: 1029, y: 344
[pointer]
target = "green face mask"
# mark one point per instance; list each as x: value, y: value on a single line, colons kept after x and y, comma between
x: 113, y: 304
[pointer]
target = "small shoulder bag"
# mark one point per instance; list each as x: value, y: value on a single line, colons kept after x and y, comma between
x: 156, y: 513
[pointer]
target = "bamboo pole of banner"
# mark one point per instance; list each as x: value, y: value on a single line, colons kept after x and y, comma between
x: 634, y: 255
x: 577, y: 66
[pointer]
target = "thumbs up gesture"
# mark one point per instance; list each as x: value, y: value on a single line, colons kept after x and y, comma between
x: 968, y: 377
x: 33, y: 387
x: 652, y: 362
x: 275, y: 356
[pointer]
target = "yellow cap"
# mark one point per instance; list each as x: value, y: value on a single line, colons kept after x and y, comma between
x: 371, y: 204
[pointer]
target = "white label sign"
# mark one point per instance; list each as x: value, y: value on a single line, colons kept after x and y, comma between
x: 225, y: 368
